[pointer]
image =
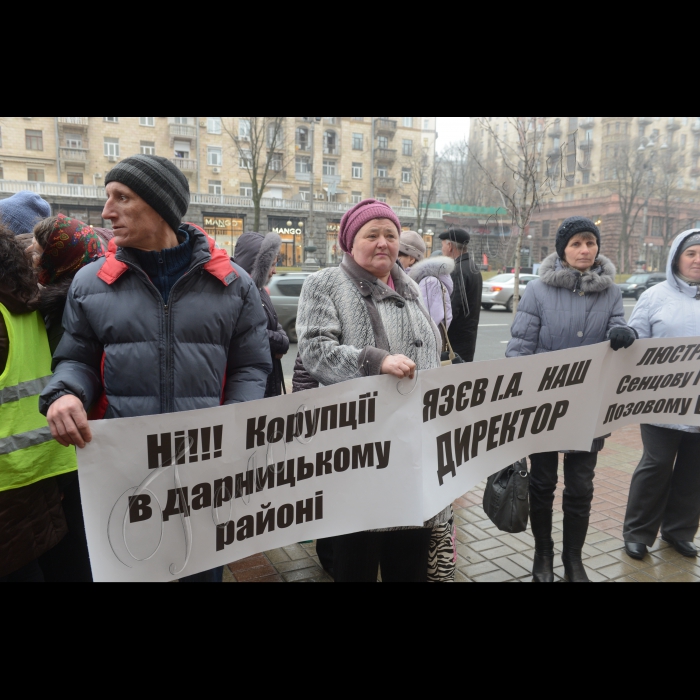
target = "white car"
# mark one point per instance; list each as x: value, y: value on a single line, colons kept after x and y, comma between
x: 500, y: 291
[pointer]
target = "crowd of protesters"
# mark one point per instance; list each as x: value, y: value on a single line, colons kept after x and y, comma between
x: 86, y: 332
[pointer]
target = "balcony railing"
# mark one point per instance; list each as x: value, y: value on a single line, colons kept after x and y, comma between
x: 385, y: 155
x: 54, y: 189
x: 183, y: 131
x: 386, y: 126
x: 74, y: 121
x: 187, y: 165
x: 385, y: 183
x: 74, y: 155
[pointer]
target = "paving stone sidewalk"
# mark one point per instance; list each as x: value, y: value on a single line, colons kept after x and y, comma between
x: 486, y: 555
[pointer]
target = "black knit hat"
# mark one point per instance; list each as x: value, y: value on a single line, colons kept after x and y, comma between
x: 570, y: 228
x: 158, y: 182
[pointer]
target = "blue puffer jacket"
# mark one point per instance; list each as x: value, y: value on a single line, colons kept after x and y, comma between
x: 567, y: 309
x: 125, y: 349
x: 670, y: 310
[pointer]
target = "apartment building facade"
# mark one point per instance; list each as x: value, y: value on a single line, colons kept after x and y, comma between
x: 583, y: 154
x: 332, y: 162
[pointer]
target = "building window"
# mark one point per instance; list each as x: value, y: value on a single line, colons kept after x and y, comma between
x: 215, y: 187
x: 303, y: 165
x: 215, y: 156
x: 35, y: 175
x: 75, y: 178
x: 34, y: 140
x: 111, y: 148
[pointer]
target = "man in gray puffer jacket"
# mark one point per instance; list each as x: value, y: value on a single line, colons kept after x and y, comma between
x: 575, y: 303
x: 165, y: 323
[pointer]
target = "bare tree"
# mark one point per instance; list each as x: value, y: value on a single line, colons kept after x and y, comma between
x: 424, y: 184
x: 527, y: 173
x: 259, y: 143
x: 634, y: 183
x: 462, y: 182
x: 672, y: 206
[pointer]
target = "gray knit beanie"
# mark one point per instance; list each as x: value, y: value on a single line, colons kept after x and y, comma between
x: 158, y: 182
x: 412, y: 245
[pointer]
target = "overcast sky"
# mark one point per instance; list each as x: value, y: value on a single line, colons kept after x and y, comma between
x: 451, y: 129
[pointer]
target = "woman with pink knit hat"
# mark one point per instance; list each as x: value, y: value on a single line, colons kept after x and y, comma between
x: 362, y: 319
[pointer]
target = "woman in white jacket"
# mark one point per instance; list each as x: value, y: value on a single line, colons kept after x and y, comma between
x: 665, y: 493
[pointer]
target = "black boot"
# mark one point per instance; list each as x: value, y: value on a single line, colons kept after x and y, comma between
x: 543, y: 570
x: 575, y: 532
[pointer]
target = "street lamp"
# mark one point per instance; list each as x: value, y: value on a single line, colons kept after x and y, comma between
x: 310, y: 263
x: 650, y: 179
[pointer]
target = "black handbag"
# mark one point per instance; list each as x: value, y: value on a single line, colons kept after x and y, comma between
x: 507, y: 498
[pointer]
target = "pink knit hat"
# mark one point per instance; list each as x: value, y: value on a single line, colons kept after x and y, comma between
x: 361, y: 214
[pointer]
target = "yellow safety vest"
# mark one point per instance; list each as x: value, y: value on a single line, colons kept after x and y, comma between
x: 28, y: 453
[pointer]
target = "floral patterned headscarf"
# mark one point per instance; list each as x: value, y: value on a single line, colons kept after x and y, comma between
x: 71, y: 246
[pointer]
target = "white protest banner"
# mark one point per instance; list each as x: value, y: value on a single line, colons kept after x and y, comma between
x: 173, y: 495
x: 479, y: 418
x: 655, y: 382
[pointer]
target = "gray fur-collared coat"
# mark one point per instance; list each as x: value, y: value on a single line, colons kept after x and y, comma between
x: 567, y: 309
x: 349, y: 323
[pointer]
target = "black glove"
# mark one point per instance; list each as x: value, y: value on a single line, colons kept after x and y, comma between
x: 622, y: 337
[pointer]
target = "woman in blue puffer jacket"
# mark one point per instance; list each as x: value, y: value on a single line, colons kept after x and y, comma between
x: 665, y: 492
x: 575, y: 303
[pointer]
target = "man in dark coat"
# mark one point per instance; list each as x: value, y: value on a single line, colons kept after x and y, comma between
x: 165, y: 323
x: 466, y: 298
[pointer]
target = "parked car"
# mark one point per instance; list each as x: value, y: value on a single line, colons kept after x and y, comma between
x: 500, y: 291
x: 285, y: 290
x: 638, y: 284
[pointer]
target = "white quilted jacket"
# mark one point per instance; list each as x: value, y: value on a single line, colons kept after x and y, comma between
x: 669, y: 310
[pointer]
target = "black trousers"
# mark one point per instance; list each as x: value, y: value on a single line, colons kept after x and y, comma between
x: 324, y: 550
x: 665, y: 491
x: 579, y: 473
x: 402, y: 555
x: 69, y: 560
x: 28, y: 574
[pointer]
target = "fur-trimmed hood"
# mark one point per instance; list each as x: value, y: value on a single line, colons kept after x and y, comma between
x: 432, y: 267
x: 256, y: 254
x: 555, y: 274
